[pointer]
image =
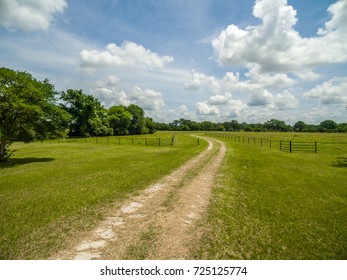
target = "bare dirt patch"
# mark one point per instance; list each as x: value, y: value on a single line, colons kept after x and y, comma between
x: 159, y: 223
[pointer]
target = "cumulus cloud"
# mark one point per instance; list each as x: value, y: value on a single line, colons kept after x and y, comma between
x: 286, y: 100
x: 202, y: 108
x: 128, y: 54
x: 29, y: 15
x: 147, y: 99
x: 275, y: 46
x: 234, y: 108
x: 261, y: 98
x: 333, y: 91
x: 196, y: 81
x: 219, y: 99
x: 110, y: 93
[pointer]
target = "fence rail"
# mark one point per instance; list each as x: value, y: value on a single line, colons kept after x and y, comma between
x: 283, y: 145
x: 146, y: 141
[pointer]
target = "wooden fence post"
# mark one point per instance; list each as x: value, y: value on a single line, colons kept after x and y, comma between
x: 290, y: 146
x: 315, y: 147
x: 280, y: 145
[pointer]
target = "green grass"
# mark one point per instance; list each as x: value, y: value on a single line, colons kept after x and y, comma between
x: 275, y: 205
x: 51, y: 191
x: 142, y: 248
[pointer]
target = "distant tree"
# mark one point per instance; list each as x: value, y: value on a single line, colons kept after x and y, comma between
x: 208, y: 126
x: 300, y: 126
x: 327, y: 126
x: 312, y: 128
x: 138, y: 123
x: 150, y: 125
x: 163, y: 126
x: 342, y: 127
x: 275, y: 125
x: 28, y: 110
x: 119, y: 119
x: 88, y: 116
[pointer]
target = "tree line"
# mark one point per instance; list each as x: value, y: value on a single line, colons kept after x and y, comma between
x: 270, y: 125
x: 33, y: 110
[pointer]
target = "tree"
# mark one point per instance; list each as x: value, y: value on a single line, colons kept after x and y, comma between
x: 119, y: 119
x: 276, y: 125
x: 28, y: 110
x: 150, y: 125
x: 327, y: 126
x: 88, y: 116
x: 138, y: 123
x: 300, y: 126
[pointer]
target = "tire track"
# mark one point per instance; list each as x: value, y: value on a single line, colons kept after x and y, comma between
x: 145, y: 227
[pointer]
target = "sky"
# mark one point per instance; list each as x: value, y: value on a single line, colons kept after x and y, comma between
x: 214, y: 60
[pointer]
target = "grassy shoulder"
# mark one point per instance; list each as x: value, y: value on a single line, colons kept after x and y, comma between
x: 275, y: 205
x: 51, y: 191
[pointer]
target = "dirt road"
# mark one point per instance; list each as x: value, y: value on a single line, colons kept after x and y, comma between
x: 160, y: 222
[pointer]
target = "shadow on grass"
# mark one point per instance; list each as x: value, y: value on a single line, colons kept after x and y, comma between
x: 340, y: 162
x: 20, y: 161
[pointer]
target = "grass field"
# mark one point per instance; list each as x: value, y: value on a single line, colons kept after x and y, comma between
x: 51, y: 191
x: 275, y: 205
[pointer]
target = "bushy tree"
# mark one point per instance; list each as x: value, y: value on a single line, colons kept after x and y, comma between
x: 88, y: 116
x: 28, y: 110
x: 300, y: 126
x: 327, y: 126
x: 138, y: 123
x: 119, y: 119
x: 275, y: 125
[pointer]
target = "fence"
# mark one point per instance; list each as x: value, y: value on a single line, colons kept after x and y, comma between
x: 291, y: 146
x: 283, y: 145
x: 146, y: 141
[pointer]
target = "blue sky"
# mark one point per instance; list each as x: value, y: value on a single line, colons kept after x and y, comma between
x: 198, y: 59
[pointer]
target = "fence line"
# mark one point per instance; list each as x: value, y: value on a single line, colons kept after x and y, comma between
x: 146, y: 141
x: 283, y: 145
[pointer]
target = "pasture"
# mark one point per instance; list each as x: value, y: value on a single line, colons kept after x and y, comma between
x: 49, y: 192
x: 266, y: 203
x: 269, y: 204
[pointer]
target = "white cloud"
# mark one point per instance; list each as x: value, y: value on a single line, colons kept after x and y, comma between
x: 29, y: 15
x: 234, y: 108
x: 264, y: 80
x: 308, y: 76
x: 110, y: 93
x: 286, y: 100
x: 333, y: 91
x: 202, y: 108
x: 196, y: 82
x: 147, y: 99
x: 275, y: 46
x: 219, y: 99
x: 261, y: 98
x: 128, y: 54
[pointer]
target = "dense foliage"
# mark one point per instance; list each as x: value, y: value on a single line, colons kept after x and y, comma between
x: 270, y: 125
x: 28, y: 110
x: 32, y: 109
